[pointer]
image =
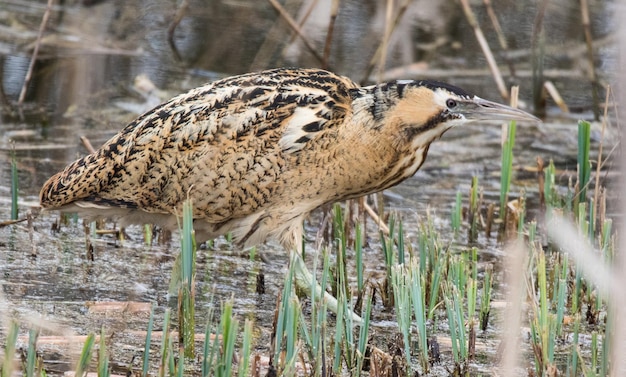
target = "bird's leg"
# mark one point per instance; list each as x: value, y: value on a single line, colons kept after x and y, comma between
x: 304, y: 280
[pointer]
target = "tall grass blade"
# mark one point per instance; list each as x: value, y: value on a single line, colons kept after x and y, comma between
x: 85, y: 355
x: 31, y: 358
x: 186, y: 300
x: 507, y: 167
x: 146, y: 348
x: 420, y: 313
x: 584, y: 165
x: 244, y: 361
x: 363, y: 336
x: 103, y: 356
x: 165, y: 344
x: 9, y: 351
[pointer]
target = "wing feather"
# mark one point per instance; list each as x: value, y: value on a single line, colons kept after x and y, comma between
x: 225, y: 143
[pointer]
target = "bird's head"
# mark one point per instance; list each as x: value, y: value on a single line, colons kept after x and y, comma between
x: 432, y: 106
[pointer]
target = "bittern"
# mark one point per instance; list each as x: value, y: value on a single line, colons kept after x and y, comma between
x: 257, y: 152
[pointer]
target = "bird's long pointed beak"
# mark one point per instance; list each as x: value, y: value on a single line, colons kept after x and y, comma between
x: 479, y: 109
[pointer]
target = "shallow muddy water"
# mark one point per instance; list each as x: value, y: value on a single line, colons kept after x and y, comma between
x: 83, y: 85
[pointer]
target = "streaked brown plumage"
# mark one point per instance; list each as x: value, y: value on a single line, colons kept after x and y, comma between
x: 257, y: 152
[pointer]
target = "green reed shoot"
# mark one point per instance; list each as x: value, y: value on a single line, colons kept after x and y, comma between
x: 549, y: 190
x: 473, y: 211
x: 103, y: 356
x: 572, y: 365
x: 85, y: 355
x: 485, y: 300
x: 246, y: 347
x: 584, y: 165
x: 9, y: 350
x: 31, y: 356
x: 561, y: 294
x: 456, y: 323
x: 363, y: 336
x: 420, y: 312
x: 507, y: 167
x: 14, y: 185
x: 457, y: 213
x: 358, y: 251
x: 147, y: 234
x: 433, y: 264
x: 229, y: 327
x: 166, y: 344
x: 208, y: 349
x: 401, y: 289
x: 472, y: 294
x: 543, y: 323
x: 340, y: 332
x: 186, y: 300
x: 606, y: 343
x: 314, y: 340
x: 341, y: 241
x: 146, y: 348
x: 283, y: 330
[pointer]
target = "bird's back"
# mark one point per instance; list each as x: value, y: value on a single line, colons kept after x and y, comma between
x: 226, y: 145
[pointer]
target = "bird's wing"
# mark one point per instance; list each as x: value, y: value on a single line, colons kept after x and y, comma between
x: 223, y: 141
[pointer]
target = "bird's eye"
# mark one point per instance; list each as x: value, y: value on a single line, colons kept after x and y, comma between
x: 451, y: 103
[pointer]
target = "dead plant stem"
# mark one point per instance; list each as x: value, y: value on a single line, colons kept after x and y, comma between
x: 31, y: 66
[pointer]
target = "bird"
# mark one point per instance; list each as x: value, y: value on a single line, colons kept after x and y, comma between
x: 257, y: 152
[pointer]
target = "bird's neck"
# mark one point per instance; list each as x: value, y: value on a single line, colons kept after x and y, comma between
x: 398, y: 147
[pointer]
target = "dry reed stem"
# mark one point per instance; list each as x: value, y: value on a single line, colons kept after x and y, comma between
x: 118, y: 306
x: 584, y: 9
x: 180, y: 14
x: 58, y: 340
x: 329, y: 35
x: 303, y: 20
x: 556, y: 96
x: 381, y: 224
x: 11, y: 222
x: 516, y: 255
x: 31, y: 66
x: 501, y: 38
x: 596, y: 191
x: 87, y: 144
x: 295, y: 27
x: 493, y: 66
x: 379, y: 50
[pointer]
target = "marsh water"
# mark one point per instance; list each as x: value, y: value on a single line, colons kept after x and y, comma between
x: 102, y: 63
